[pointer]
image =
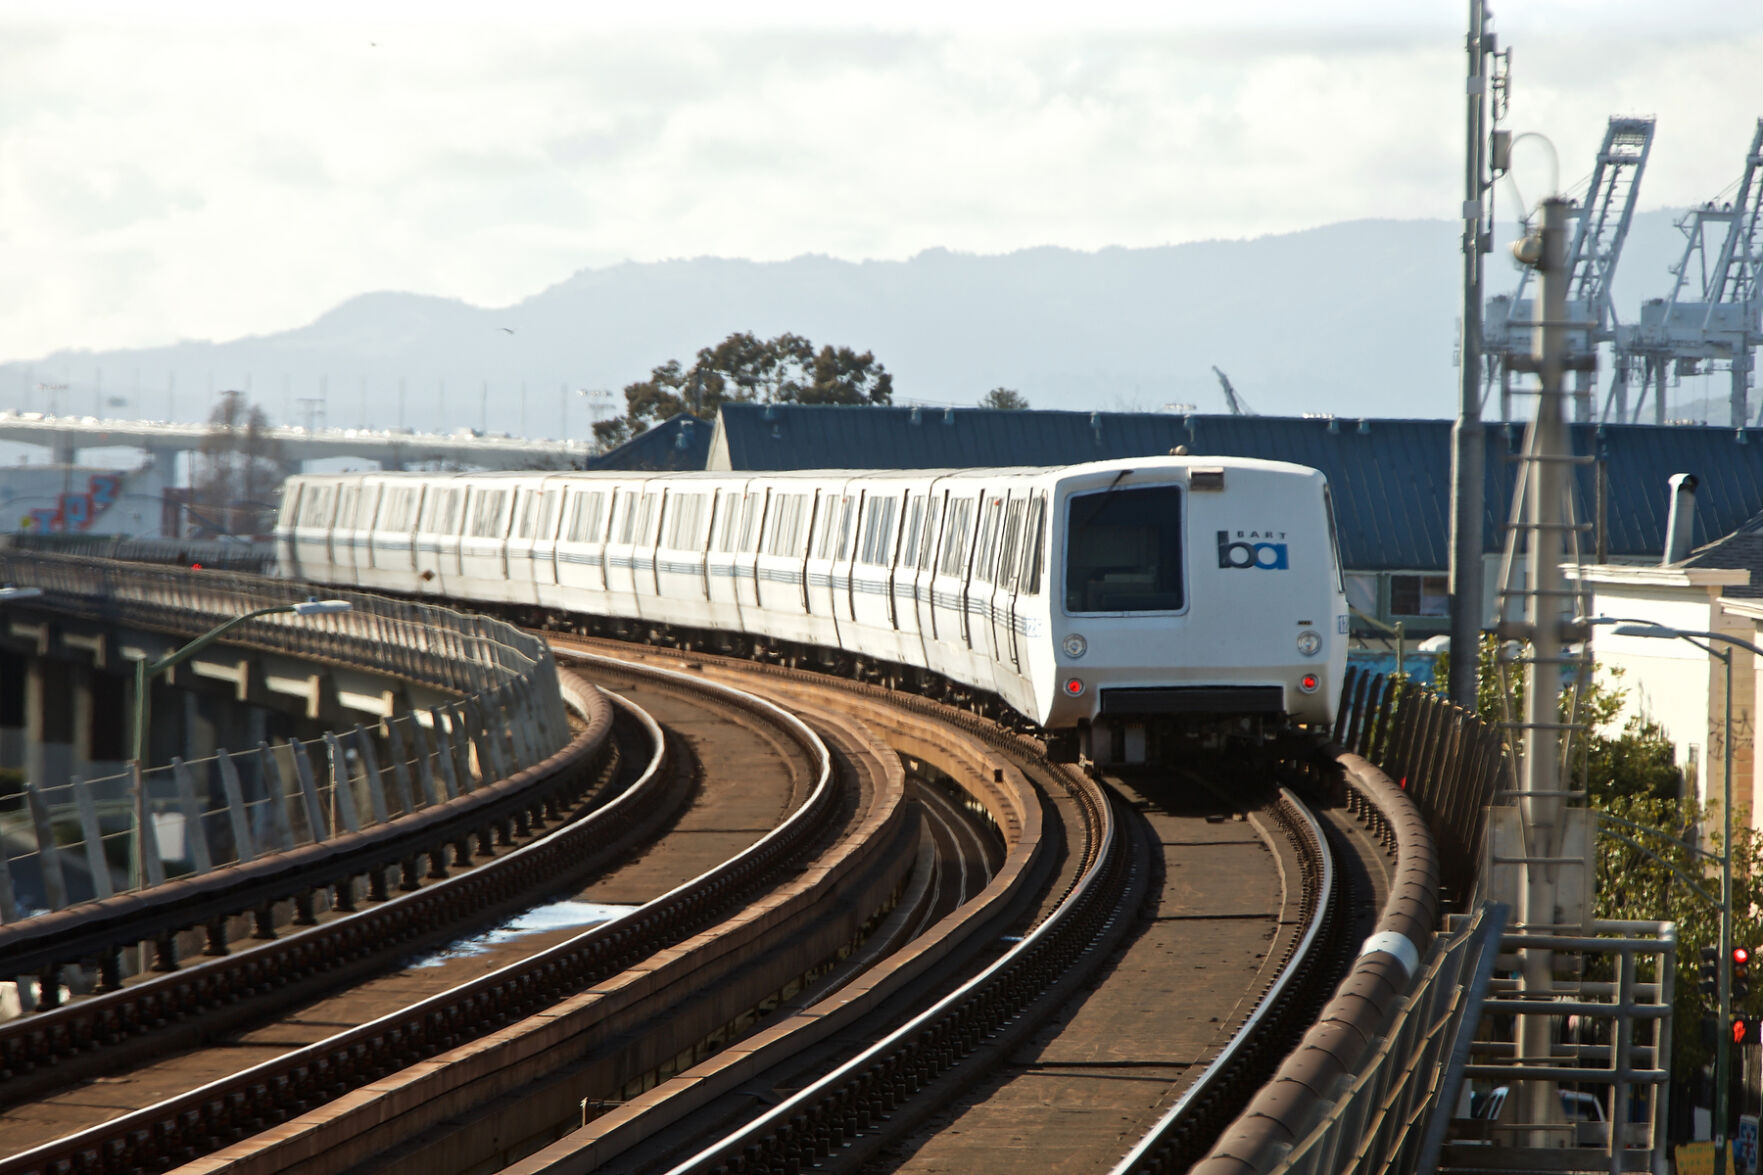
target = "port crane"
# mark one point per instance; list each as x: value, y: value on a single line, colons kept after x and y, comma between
x: 1600, y: 227
x: 1238, y: 406
x: 1715, y: 320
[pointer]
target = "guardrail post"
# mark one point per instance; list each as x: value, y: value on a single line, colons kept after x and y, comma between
x: 195, y: 829
x: 281, y: 829
x: 244, y: 847
x: 401, y: 767
x: 444, y: 752
x: 370, y: 768
x: 146, y: 832
x: 492, y: 763
x: 315, y: 821
x: 460, y: 737
x: 342, y: 787
x: 93, y: 835
x: 48, y: 855
x: 8, y: 899
x: 422, y: 747
x: 514, y: 702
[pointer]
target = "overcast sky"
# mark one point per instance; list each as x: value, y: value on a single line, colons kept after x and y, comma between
x: 198, y: 173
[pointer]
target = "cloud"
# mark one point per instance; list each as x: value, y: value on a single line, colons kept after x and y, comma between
x: 216, y: 173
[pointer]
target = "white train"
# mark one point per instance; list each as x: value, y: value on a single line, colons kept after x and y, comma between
x: 1113, y: 604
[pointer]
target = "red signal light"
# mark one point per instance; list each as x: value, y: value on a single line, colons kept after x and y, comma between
x: 1074, y: 686
x: 1309, y: 682
x: 1738, y: 1032
x: 1741, y: 955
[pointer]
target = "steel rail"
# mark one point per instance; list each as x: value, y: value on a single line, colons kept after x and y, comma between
x: 200, y: 1121
x: 1188, y: 1126
x: 820, y: 1117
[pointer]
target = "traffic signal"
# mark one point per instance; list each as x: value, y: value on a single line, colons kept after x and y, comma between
x: 1741, y: 972
x: 1747, y: 1030
x: 1708, y: 973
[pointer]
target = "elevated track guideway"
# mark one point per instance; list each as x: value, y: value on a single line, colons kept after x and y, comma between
x: 815, y: 961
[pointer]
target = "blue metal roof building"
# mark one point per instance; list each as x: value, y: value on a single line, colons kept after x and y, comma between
x: 1391, y: 478
x: 677, y: 443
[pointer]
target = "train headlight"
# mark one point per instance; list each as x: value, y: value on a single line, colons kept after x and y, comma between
x: 1075, y: 646
x: 1074, y: 686
x: 1309, y: 643
x: 1309, y: 682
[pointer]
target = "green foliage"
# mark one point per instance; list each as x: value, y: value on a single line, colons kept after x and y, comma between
x: 1004, y: 399
x: 744, y: 368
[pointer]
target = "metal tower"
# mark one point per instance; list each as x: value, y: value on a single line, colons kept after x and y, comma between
x: 1599, y: 228
x: 1716, y: 321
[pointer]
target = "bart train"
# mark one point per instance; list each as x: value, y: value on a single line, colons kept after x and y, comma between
x: 1115, y: 604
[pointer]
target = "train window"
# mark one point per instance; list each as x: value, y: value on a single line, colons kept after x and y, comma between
x: 878, y: 530
x: 914, y: 526
x: 648, y: 519
x: 1033, y: 545
x: 315, y: 505
x: 986, y: 551
x: 750, y: 518
x: 730, y: 504
x: 395, y: 509
x: 685, y: 517
x: 486, y: 516
x: 346, y: 499
x: 956, y: 535
x: 370, y: 503
x: 548, y: 502
x: 932, y: 517
x: 786, y: 531
x: 1007, y: 546
x: 447, y: 504
x: 527, y: 515
x: 1123, y: 551
x: 847, y: 518
x: 630, y: 519
x: 827, y: 528
x: 584, y: 525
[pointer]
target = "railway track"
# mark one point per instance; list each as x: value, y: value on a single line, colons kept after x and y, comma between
x: 949, y: 967
x: 179, y: 1128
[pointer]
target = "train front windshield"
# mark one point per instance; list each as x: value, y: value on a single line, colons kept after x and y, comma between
x: 1123, y: 551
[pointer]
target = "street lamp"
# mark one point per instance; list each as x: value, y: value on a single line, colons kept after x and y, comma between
x: 145, y: 669
x: 1723, y: 981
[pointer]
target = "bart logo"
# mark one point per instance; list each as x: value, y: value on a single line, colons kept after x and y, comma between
x: 1243, y: 555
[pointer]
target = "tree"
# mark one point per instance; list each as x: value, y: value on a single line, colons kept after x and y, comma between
x: 238, y: 467
x: 744, y: 368
x: 1004, y: 400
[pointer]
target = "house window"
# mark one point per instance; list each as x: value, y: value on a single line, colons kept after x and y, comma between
x: 1419, y: 595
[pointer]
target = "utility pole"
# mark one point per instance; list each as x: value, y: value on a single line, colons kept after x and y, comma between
x: 1468, y: 455
x: 1547, y: 611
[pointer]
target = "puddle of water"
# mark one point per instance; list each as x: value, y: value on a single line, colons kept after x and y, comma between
x: 556, y: 916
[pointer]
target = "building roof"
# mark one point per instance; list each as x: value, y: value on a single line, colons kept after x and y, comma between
x: 1391, y: 478
x: 1742, y: 550
x: 678, y: 443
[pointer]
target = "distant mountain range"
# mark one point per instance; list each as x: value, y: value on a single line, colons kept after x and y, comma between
x: 1356, y: 319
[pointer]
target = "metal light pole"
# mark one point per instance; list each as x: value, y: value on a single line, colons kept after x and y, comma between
x: 146, y: 670
x: 1468, y: 455
x: 1723, y: 1037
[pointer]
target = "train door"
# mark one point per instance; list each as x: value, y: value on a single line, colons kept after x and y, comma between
x: 936, y: 512
x: 844, y: 569
x: 754, y: 504
x: 1004, y: 583
x: 976, y: 603
x: 902, y: 593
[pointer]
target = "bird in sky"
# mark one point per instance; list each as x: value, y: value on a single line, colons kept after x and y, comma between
x: 507, y: 329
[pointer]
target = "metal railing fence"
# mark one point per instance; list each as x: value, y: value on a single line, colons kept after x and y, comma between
x: 72, y: 842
